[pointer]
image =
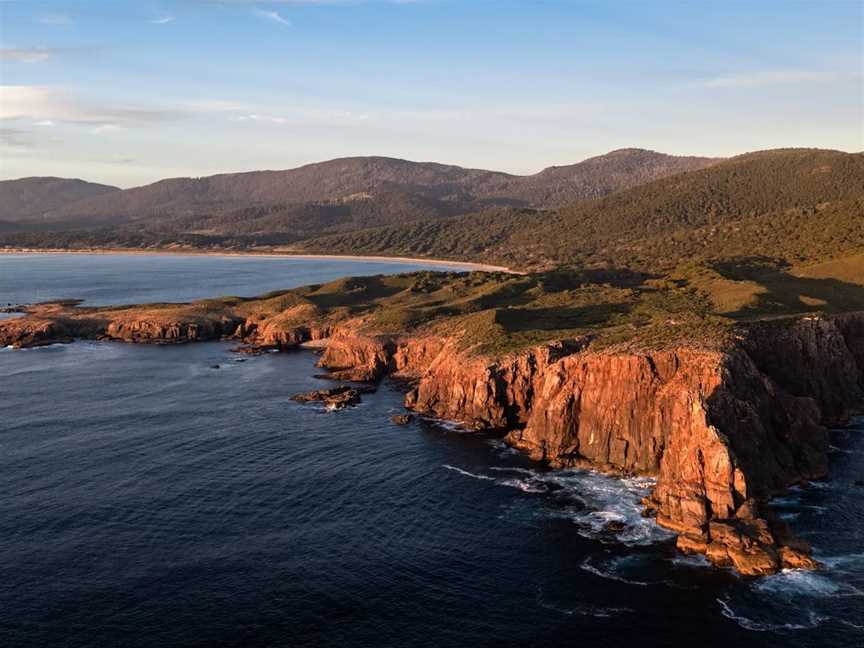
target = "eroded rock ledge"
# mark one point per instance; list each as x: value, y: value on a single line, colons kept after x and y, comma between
x: 721, y: 430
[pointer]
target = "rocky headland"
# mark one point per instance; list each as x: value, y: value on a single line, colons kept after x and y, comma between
x: 724, y: 414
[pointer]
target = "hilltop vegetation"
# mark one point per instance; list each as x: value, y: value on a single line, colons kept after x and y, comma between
x: 797, y: 205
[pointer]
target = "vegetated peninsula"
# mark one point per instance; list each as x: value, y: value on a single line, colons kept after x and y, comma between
x: 705, y: 329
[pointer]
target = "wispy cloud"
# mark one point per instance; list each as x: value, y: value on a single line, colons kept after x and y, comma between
x: 55, y: 19
x: 164, y: 20
x: 302, y: 118
x: 107, y: 128
x: 46, y: 103
x: 260, y: 118
x: 273, y: 16
x: 26, y: 54
x: 768, y: 77
x: 15, y: 138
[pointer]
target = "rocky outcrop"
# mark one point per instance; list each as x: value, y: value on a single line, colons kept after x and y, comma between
x: 33, y: 332
x: 335, y: 398
x: 358, y: 357
x: 479, y: 392
x: 169, y: 330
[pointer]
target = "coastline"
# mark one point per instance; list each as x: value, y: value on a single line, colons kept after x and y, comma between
x: 479, y: 267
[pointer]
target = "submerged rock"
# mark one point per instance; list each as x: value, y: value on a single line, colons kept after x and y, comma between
x: 402, y: 419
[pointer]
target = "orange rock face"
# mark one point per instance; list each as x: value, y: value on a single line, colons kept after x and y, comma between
x: 722, y: 431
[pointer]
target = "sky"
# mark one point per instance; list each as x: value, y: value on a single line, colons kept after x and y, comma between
x: 127, y: 92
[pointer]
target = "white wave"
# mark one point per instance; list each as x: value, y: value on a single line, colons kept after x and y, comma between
x: 759, y: 626
x: 521, y: 471
x: 850, y: 624
x: 468, y: 474
x: 820, y: 485
x: 43, y: 347
x: 606, y: 500
x: 806, y: 583
x: 695, y: 561
x: 444, y: 424
x: 525, y: 485
x: 597, y: 611
x: 609, y: 575
x: 797, y: 581
x: 603, y: 507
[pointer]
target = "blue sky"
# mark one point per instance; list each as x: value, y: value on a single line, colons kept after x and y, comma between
x: 130, y: 92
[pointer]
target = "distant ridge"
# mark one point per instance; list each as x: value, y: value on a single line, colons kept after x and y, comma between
x: 394, y: 191
x: 794, y: 204
x: 31, y: 198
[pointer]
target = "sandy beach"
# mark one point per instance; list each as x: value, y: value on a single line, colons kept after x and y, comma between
x: 481, y: 267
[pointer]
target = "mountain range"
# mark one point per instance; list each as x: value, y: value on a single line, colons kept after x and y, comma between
x: 629, y: 209
x: 794, y: 204
x: 337, y: 195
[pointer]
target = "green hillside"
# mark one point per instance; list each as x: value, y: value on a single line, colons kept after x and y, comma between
x: 796, y: 205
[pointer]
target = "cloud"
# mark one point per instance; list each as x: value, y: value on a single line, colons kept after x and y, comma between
x: 46, y: 103
x: 215, y: 105
x: 164, y: 20
x: 303, y: 117
x: 107, y: 128
x: 26, y: 55
x: 273, y: 16
x: 15, y: 138
x: 45, y: 122
x: 260, y: 118
x: 55, y: 19
x: 769, y: 77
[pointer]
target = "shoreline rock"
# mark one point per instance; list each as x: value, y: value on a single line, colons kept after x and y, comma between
x: 335, y: 398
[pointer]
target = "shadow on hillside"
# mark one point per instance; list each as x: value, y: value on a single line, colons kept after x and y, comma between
x: 567, y: 278
x: 352, y: 291
x: 557, y: 318
x: 785, y: 293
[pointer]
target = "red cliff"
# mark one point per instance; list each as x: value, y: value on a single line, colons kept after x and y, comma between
x: 721, y: 430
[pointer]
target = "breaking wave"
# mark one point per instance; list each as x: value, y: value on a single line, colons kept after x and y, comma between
x: 468, y: 474
x: 747, y: 623
x: 603, y: 508
x: 582, y: 609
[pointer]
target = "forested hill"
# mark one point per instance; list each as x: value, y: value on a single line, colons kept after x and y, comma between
x: 316, y: 199
x: 794, y: 204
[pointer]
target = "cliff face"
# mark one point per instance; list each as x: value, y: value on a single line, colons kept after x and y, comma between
x: 721, y: 430
x: 171, y: 330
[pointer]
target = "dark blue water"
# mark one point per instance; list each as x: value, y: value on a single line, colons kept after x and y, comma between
x: 147, y: 499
